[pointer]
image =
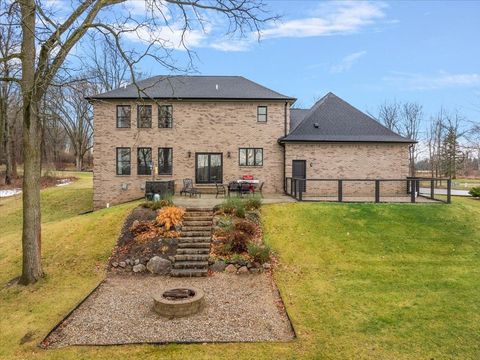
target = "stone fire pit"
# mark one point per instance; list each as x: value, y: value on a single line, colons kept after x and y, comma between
x: 178, y: 302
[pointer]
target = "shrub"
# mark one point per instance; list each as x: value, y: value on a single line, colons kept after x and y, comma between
x: 254, y: 217
x: 170, y: 216
x: 225, y: 223
x: 253, y: 203
x: 238, y: 241
x: 475, y: 192
x: 246, y: 226
x: 240, y: 211
x: 157, y: 205
x: 230, y: 205
x: 259, y: 253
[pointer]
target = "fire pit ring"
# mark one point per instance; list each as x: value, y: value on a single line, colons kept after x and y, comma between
x: 178, y: 302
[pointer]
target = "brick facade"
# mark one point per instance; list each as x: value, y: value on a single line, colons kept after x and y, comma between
x: 351, y: 161
x: 198, y: 126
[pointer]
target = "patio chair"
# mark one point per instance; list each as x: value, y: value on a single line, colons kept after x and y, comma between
x: 220, y: 189
x: 189, y: 189
x: 233, y: 187
x: 260, y: 188
x: 245, y: 189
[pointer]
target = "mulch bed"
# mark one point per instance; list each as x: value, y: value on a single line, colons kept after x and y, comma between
x: 245, y: 308
x: 128, y: 248
x: 45, y: 181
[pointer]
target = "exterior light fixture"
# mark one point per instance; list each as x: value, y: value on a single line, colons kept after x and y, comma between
x: 229, y: 155
x: 189, y: 154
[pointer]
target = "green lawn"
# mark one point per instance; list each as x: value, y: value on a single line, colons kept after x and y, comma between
x: 359, y: 281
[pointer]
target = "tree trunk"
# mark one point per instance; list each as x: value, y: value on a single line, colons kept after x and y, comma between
x: 78, y: 161
x: 32, y: 139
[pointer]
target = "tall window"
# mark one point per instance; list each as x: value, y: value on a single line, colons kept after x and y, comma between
x: 123, y: 161
x: 144, y: 161
x: 165, y: 116
x: 123, y: 116
x: 261, y: 113
x: 250, y: 157
x: 165, y: 161
x: 144, y: 116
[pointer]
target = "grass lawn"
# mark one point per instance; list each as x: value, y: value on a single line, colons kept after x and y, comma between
x: 358, y: 280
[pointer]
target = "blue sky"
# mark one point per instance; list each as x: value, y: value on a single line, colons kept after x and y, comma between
x: 365, y: 52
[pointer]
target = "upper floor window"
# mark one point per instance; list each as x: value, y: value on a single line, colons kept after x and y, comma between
x: 250, y: 157
x: 165, y: 116
x: 144, y: 116
x: 123, y: 116
x: 144, y: 161
x: 261, y: 113
x: 123, y: 161
x: 165, y: 161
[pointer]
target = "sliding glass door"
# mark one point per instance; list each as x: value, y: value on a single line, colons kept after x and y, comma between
x: 208, y: 168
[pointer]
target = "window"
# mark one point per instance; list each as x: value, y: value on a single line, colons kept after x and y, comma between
x: 165, y: 116
x: 144, y: 161
x: 123, y: 116
x: 165, y: 161
x: 144, y: 116
x: 250, y: 157
x: 261, y: 114
x: 123, y: 161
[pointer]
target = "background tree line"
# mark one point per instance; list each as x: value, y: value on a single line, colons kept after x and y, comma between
x: 448, y: 143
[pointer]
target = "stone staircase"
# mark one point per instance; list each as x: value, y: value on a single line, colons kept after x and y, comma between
x: 193, y: 248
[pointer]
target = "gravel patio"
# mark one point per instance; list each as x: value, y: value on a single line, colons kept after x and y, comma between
x: 244, y: 308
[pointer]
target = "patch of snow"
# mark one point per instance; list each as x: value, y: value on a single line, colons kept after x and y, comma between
x: 64, y: 182
x: 10, y: 192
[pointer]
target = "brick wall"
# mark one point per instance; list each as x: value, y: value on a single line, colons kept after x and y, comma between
x: 351, y: 161
x: 221, y: 127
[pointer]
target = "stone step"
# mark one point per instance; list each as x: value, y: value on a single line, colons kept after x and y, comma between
x: 197, y: 223
x: 193, y: 251
x: 200, y: 239
x: 188, y: 218
x: 190, y: 245
x: 199, y: 209
x: 197, y: 228
x: 190, y: 265
x: 191, y: 258
x: 196, y: 233
x: 188, y: 272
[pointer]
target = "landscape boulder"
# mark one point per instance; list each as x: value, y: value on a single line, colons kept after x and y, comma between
x: 159, y: 266
x: 231, y: 268
x: 139, y: 268
x: 218, y: 266
x: 243, y: 270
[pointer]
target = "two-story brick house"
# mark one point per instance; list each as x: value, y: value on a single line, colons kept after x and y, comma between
x: 219, y: 128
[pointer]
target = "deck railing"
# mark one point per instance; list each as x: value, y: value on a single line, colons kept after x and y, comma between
x: 369, y: 190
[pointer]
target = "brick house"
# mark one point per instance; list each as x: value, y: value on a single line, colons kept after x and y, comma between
x: 219, y: 128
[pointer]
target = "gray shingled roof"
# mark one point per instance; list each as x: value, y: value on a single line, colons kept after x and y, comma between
x: 296, y: 117
x: 332, y: 119
x: 195, y: 87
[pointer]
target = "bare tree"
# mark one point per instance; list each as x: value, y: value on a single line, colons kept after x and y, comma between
x: 452, y: 154
x: 411, y: 115
x: 389, y: 114
x: 9, y: 43
x: 434, y: 141
x: 75, y: 114
x: 55, y: 38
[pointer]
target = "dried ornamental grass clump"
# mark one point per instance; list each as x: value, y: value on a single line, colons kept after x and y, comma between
x: 170, y: 216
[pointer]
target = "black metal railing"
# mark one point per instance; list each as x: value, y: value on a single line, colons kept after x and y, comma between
x: 368, y: 190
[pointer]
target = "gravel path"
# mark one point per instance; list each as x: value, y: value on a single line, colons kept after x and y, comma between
x: 238, y: 308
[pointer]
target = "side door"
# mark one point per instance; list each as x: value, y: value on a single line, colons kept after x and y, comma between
x: 299, y: 171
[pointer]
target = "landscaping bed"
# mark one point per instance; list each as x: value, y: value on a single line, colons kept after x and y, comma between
x: 141, y: 245
x: 237, y: 241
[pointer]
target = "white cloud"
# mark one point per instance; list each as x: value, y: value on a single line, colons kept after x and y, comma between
x: 334, y: 18
x: 173, y: 37
x: 330, y: 18
x: 347, y: 62
x: 442, y: 80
